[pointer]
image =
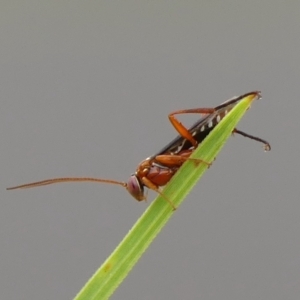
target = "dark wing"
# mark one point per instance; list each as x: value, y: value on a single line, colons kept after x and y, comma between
x: 202, y: 127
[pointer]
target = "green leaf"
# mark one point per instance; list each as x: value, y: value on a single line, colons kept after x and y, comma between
x: 117, y: 266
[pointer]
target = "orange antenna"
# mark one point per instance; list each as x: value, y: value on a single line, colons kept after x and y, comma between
x: 65, y: 179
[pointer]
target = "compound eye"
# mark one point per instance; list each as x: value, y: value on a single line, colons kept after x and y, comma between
x: 135, y: 188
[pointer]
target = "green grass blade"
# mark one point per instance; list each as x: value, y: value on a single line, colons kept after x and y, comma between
x: 117, y: 266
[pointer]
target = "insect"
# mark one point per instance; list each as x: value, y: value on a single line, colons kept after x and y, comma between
x: 156, y: 170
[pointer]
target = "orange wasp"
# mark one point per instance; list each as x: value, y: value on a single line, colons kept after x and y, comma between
x: 157, y: 170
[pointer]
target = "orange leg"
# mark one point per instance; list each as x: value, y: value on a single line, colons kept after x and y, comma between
x: 150, y: 185
x: 181, y: 129
x: 177, y: 160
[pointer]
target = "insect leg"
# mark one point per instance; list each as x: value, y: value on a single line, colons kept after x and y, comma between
x: 267, y: 146
x: 148, y: 183
x: 181, y: 129
x: 177, y: 160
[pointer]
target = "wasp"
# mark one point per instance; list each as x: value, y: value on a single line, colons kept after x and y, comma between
x: 157, y: 170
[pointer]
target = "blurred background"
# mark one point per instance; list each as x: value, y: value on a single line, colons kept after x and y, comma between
x: 86, y: 88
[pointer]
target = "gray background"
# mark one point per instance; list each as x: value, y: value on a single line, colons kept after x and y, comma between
x: 86, y: 87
